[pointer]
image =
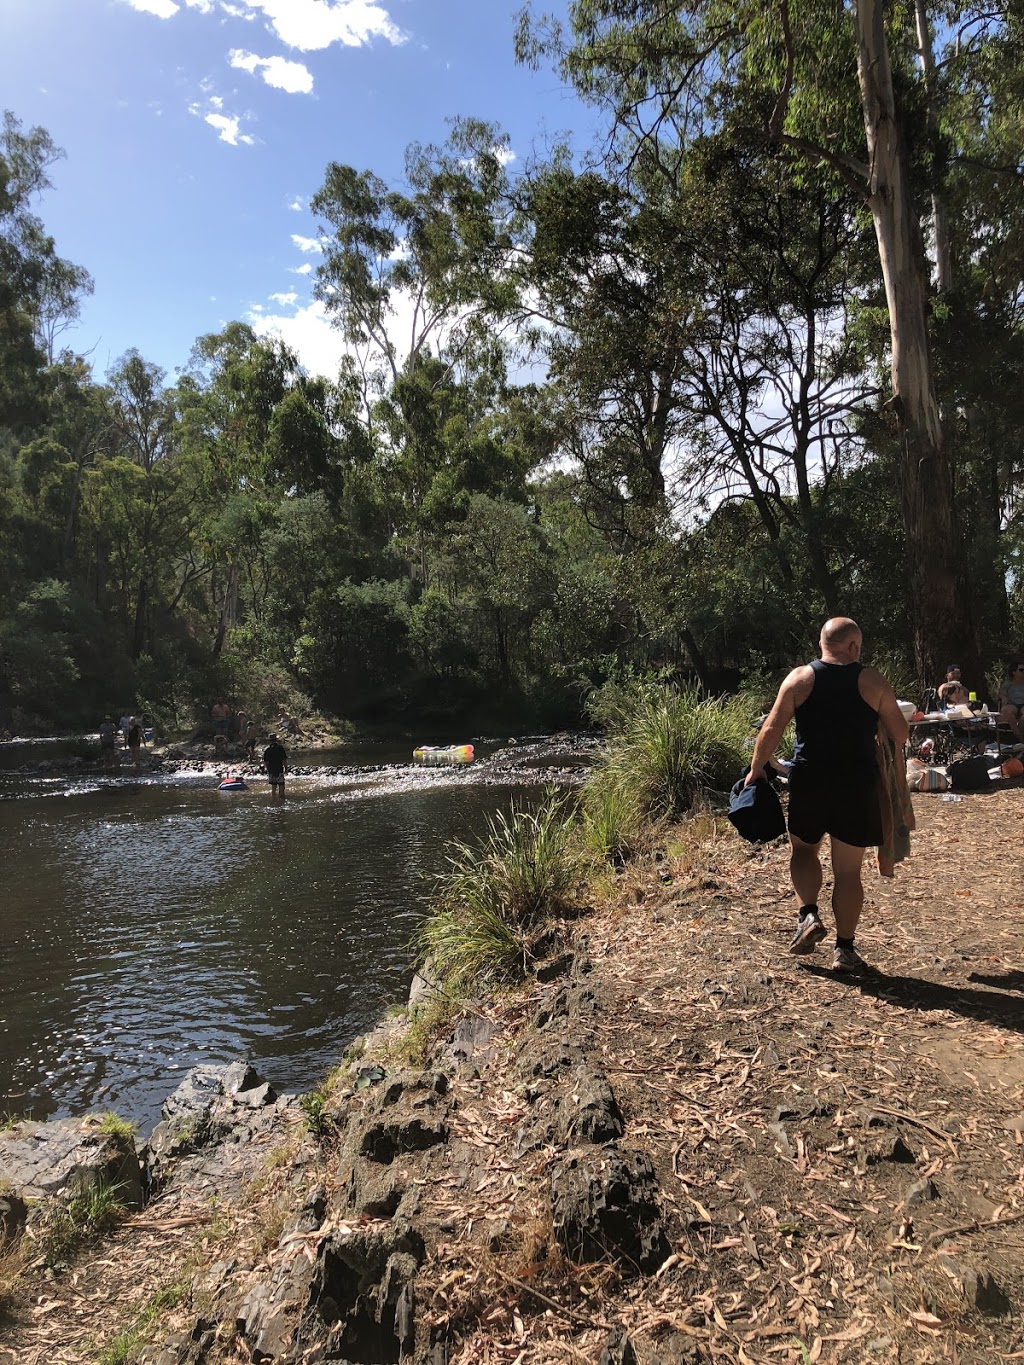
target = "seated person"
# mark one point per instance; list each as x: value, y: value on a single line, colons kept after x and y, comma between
x: 1011, y: 700
x: 952, y: 692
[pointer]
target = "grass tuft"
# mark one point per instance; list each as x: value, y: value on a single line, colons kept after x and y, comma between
x: 122, y: 1132
x: 673, y: 747
x: 127, y: 1344
x: 89, y: 1211
x: 491, y: 898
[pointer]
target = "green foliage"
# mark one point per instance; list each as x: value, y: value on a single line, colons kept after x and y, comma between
x: 89, y: 1210
x: 491, y: 897
x: 354, y: 650
x: 35, y: 649
x: 121, y: 1132
x: 673, y: 746
x: 316, y: 1111
x: 612, y: 825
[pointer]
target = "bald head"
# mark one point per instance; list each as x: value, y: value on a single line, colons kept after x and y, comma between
x: 840, y: 639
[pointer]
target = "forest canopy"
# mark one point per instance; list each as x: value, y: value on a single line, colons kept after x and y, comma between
x: 664, y: 404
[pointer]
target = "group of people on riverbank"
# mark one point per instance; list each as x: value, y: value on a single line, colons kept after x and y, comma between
x: 228, y: 726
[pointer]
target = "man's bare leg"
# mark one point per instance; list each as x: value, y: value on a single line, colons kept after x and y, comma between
x: 805, y: 870
x: 848, y: 890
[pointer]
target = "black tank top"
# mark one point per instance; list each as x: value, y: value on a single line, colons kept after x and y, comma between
x: 835, y: 727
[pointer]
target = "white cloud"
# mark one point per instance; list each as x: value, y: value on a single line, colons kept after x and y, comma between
x: 236, y: 12
x: 283, y: 75
x: 225, y: 124
x: 298, y: 204
x: 163, y: 9
x: 285, y: 300
x: 310, y: 25
x: 203, y: 6
x: 304, y: 269
x: 307, y: 331
x: 228, y: 126
x: 306, y: 244
x: 227, y: 129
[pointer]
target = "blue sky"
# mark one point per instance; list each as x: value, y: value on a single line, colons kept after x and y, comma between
x: 196, y: 130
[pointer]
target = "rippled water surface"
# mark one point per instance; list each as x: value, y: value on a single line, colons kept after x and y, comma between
x: 152, y: 924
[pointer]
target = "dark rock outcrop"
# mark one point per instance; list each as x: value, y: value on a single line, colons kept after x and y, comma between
x: 604, y: 1206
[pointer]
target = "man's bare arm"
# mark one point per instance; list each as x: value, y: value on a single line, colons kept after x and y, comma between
x: 791, y: 693
x: 889, y: 713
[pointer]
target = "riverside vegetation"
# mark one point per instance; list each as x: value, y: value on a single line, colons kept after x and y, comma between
x: 624, y: 1127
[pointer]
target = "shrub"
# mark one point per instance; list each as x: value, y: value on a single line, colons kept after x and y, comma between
x: 611, y: 823
x: 672, y: 746
x: 491, y: 897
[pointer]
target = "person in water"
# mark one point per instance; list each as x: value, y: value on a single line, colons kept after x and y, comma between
x: 275, y: 760
x: 134, y: 741
x: 108, y: 734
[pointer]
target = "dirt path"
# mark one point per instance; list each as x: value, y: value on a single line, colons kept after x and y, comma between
x: 826, y: 1136
x: 840, y: 1159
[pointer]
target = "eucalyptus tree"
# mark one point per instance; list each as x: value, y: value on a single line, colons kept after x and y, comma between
x: 138, y: 500
x: 39, y: 291
x: 413, y: 276
x: 254, y: 428
x: 700, y: 340
x: 833, y: 87
x: 407, y: 269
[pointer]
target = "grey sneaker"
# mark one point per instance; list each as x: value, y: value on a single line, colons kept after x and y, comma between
x: 809, y: 933
x: 847, y: 960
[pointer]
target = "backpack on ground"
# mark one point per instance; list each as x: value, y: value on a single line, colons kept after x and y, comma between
x: 969, y: 774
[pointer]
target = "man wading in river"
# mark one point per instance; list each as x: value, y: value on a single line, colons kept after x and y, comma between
x: 834, y: 780
x: 275, y: 760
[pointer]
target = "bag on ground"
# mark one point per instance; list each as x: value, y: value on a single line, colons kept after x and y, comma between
x: 969, y: 774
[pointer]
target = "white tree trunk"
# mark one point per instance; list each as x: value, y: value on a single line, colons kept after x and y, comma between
x: 939, y: 603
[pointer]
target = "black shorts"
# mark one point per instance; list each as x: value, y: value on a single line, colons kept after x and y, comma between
x: 828, y: 802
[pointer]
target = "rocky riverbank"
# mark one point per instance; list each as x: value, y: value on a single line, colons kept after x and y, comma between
x: 674, y: 1144
x: 560, y: 758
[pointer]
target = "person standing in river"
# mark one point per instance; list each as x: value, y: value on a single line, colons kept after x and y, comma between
x: 134, y: 741
x: 275, y: 760
x: 838, y: 705
x: 108, y: 735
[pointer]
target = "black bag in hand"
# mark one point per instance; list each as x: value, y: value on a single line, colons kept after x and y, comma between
x: 756, y: 811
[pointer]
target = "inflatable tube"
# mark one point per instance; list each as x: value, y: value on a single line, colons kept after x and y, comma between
x: 443, y: 753
x: 233, y: 784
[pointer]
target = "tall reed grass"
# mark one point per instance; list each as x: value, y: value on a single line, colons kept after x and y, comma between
x: 672, y: 746
x: 491, y: 898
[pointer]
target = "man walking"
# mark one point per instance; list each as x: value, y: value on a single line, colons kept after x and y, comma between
x: 834, y: 780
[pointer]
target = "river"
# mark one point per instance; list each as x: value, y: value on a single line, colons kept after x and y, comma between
x: 153, y: 923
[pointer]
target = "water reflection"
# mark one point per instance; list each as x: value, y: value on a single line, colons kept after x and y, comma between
x: 151, y: 926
